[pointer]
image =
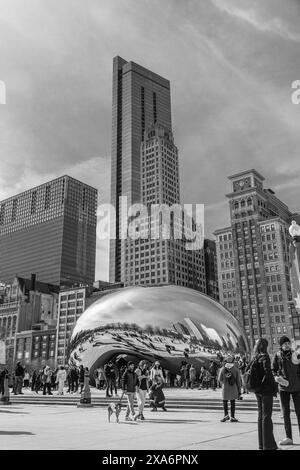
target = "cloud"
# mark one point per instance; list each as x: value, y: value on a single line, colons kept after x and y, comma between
x: 274, y: 25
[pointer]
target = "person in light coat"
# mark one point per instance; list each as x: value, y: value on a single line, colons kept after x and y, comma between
x: 61, y: 377
x: 156, y: 371
x: 230, y: 379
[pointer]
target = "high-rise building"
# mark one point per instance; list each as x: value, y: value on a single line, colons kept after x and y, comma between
x: 159, y: 255
x: 140, y: 99
x: 28, y: 309
x: 211, y: 269
x: 72, y: 303
x: 253, y: 260
x: 50, y: 230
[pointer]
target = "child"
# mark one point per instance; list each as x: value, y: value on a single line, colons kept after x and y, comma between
x: 229, y: 377
x: 156, y: 395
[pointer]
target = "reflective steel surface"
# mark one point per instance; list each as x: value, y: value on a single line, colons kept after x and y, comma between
x: 166, y: 323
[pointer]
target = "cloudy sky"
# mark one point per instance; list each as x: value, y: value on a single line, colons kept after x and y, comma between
x: 230, y: 62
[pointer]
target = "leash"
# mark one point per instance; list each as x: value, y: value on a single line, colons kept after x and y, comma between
x: 121, y: 398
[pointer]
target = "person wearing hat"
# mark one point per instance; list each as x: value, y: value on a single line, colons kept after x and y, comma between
x: 286, y: 372
x: 230, y: 379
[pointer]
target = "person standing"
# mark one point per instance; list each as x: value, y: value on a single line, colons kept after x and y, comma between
x: 142, y: 388
x: 156, y: 371
x: 38, y: 381
x: 101, y: 378
x: 69, y: 380
x: 287, y: 375
x: 193, y: 375
x: 213, y: 370
x: 61, y: 377
x: 33, y: 380
x: 242, y: 367
x: 74, y: 379
x: 129, y: 386
x: 109, y: 373
x: 265, y: 390
x: 96, y: 378
x: 81, y: 377
x: 47, y: 380
x: 229, y: 377
x: 19, y: 375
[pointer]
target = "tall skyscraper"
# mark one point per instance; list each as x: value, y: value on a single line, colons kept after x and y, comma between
x: 159, y: 255
x: 50, y: 231
x: 211, y: 268
x: 253, y: 260
x: 140, y: 99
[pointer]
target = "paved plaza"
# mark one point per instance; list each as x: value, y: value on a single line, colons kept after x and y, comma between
x: 59, y: 426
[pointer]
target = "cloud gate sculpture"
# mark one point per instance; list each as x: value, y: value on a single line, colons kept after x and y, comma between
x: 167, y: 323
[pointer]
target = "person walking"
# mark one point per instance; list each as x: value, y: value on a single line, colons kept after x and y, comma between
x: 287, y: 375
x: 229, y: 377
x: 129, y: 386
x: 142, y: 388
x: 61, y: 377
x: 265, y: 390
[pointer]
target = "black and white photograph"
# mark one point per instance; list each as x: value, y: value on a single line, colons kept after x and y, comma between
x: 149, y: 229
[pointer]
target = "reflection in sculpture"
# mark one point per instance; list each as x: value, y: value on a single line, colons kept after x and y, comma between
x: 165, y: 323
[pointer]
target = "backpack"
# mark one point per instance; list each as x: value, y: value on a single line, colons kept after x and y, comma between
x: 229, y: 376
x: 252, y: 379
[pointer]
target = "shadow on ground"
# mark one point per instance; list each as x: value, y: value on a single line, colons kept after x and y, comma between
x: 16, y: 433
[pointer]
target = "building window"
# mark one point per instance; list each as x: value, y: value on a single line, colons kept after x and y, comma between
x: 33, y: 202
x: 14, y: 210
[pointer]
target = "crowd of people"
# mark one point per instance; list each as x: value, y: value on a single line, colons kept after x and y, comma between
x: 266, y: 379
x: 45, y: 380
x: 234, y: 375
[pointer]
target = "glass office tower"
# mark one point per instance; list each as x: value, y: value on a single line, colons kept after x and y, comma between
x: 50, y: 231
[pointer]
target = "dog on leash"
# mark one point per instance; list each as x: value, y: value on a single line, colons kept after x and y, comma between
x: 114, y: 408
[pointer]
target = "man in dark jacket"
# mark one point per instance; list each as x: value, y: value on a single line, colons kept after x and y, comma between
x: 129, y: 386
x: 287, y: 375
x: 19, y: 375
x: 110, y: 375
x: 74, y: 379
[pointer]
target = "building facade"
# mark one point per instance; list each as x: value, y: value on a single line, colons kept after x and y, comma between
x: 156, y: 251
x: 27, y: 307
x: 253, y: 260
x: 71, y: 304
x: 50, y: 230
x: 140, y: 99
x: 211, y: 269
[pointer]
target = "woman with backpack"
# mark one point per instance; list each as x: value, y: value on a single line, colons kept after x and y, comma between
x: 265, y: 388
x: 230, y: 379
